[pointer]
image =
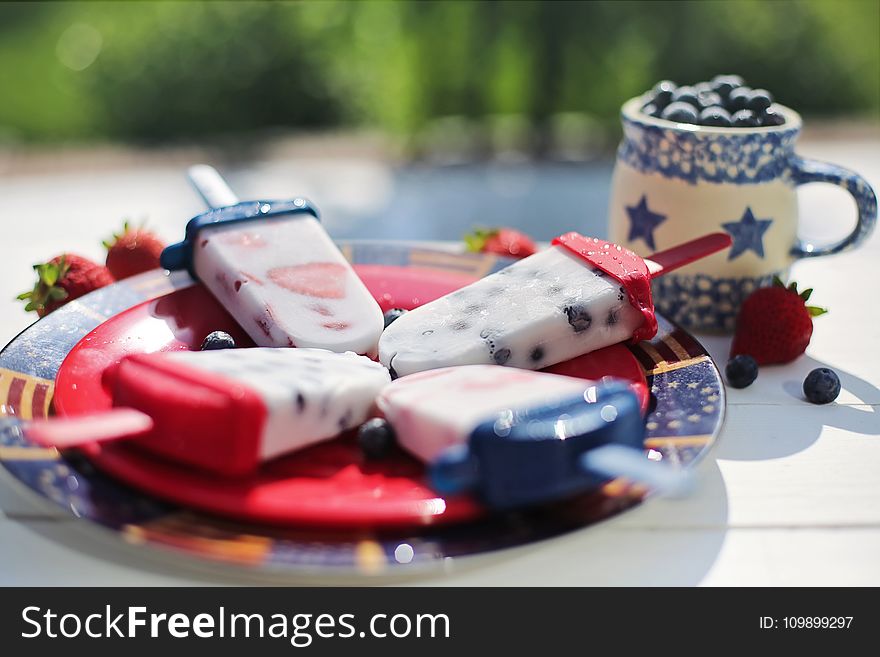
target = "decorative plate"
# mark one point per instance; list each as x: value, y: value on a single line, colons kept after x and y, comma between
x: 684, y: 414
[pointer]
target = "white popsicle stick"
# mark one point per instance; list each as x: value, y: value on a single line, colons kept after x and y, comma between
x: 620, y: 461
x: 210, y: 185
x: 114, y: 424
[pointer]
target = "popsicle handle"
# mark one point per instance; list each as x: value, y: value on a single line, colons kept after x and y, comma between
x: 620, y: 461
x: 454, y: 471
x: 211, y: 186
x: 116, y: 424
x: 664, y: 262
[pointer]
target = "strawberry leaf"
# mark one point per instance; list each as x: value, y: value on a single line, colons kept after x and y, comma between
x: 24, y: 296
x: 476, y: 240
x: 57, y: 293
x: 805, y: 295
x: 792, y: 287
x: 778, y: 281
x: 815, y: 311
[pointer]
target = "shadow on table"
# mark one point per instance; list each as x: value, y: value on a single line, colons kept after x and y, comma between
x: 756, y: 439
x: 663, y: 542
x: 806, y: 423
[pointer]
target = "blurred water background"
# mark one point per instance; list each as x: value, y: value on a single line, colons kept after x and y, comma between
x: 399, y: 119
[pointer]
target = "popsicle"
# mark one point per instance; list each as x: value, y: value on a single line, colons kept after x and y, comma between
x: 227, y: 411
x: 512, y: 436
x: 577, y: 296
x: 278, y: 273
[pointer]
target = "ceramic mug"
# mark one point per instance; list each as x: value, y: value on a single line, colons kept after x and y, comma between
x: 674, y: 181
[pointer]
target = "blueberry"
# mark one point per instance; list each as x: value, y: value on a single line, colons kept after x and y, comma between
x: 578, y: 317
x: 376, y: 438
x: 759, y: 100
x: 662, y: 92
x: 651, y: 110
x: 738, y: 99
x: 821, y: 386
x: 394, y: 314
x: 709, y: 99
x: 680, y: 112
x: 723, y: 85
x: 685, y: 95
x: 715, y: 116
x: 218, y: 340
x: 703, y: 87
x: 735, y: 80
x: 771, y: 116
x: 741, y: 371
x: 745, y: 118
x: 665, y: 85
x: 501, y: 356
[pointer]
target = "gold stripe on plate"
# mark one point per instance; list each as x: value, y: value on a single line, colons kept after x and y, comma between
x: 652, y: 353
x: 24, y: 407
x: 666, y: 366
x: 678, y: 441
x: 676, y: 347
x: 6, y: 377
x: 17, y: 453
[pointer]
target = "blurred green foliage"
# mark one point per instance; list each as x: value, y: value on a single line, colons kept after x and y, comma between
x: 157, y: 71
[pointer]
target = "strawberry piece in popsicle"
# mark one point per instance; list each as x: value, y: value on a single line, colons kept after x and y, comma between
x: 278, y: 273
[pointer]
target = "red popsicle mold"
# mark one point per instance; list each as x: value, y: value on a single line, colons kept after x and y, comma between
x: 624, y: 266
x: 199, y: 418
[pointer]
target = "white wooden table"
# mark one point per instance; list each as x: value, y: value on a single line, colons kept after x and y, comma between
x: 790, y: 496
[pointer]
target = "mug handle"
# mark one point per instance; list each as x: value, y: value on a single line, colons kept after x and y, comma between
x: 807, y: 171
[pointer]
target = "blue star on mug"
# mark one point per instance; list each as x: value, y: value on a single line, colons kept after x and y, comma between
x: 643, y: 221
x: 747, y: 234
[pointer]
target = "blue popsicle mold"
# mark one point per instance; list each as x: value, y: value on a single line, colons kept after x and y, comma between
x: 179, y: 256
x: 524, y: 457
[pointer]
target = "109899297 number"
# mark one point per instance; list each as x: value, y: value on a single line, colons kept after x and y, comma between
x: 816, y: 622
x: 806, y: 622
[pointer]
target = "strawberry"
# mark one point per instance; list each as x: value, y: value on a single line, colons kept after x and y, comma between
x: 134, y: 251
x: 503, y: 241
x: 323, y: 280
x: 774, y: 324
x: 62, y: 279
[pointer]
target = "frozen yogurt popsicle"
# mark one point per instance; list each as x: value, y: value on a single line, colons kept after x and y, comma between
x: 229, y: 410
x: 579, y: 295
x: 277, y: 272
x: 515, y: 437
x: 432, y: 411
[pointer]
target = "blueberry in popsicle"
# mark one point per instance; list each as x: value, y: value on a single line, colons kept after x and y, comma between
x: 516, y: 437
x: 227, y: 411
x: 278, y: 273
x: 579, y: 295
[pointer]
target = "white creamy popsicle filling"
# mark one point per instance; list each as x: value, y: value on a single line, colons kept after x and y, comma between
x: 542, y: 310
x: 432, y: 411
x: 286, y: 284
x: 310, y: 394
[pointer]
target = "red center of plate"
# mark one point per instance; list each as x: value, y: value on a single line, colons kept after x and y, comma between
x: 330, y: 484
